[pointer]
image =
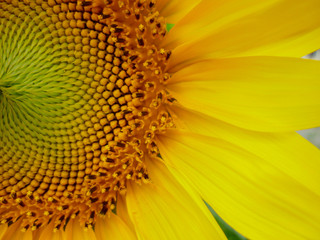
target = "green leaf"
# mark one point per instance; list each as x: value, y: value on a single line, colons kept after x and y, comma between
x: 229, y: 231
x: 169, y: 26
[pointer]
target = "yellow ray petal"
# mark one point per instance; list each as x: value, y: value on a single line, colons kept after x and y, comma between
x: 246, y: 28
x: 269, y: 146
x: 122, y: 212
x: 257, y: 93
x: 174, y: 10
x: 113, y: 228
x: 3, y: 229
x: 251, y: 193
x: 48, y: 233
x: 14, y: 232
x: 75, y: 232
x: 163, y: 210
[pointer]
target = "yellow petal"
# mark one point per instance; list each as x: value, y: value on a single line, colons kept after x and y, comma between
x: 122, y: 212
x: 163, y: 210
x: 232, y: 28
x: 174, y: 10
x: 14, y: 232
x: 269, y: 146
x: 75, y: 232
x: 48, y: 233
x: 113, y: 228
x: 3, y: 229
x: 253, y: 194
x: 257, y: 93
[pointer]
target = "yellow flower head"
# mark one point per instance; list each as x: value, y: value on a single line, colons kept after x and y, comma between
x: 111, y: 127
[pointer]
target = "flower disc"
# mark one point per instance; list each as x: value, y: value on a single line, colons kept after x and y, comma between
x: 81, y: 95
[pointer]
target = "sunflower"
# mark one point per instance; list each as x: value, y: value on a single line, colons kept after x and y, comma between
x: 113, y: 127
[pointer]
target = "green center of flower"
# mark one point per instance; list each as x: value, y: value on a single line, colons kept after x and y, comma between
x: 81, y: 98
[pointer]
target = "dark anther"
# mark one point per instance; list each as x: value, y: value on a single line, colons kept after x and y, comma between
x: 110, y: 160
x: 4, y: 201
x: 144, y: 113
x: 139, y: 4
x: 151, y: 4
x: 38, y: 225
x: 21, y: 204
x: 92, y: 214
x: 137, y: 16
x: 127, y: 111
x: 171, y: 100
x: 146, y: 176
x: 160, y: 96
x: 102, y: 174
x: 8, y: 219
x: 151, y: 20
x: 118, y: 30
x: 93, y: 200
x: 140, y: 95
x: 10, y: 223
x: 92, y: 176
x: 139, y: 75
x: 39, y: 200
x: 26, y: 227
x: 58, y: 226
x: 61, y: 218
x: 122, y: 145
x: 158, y: 25
x: 168, y: 55
x: 93, y: 189
x: 67, y: 221
x: 104, y: 209
x: 77, y: 213
x: 30, y: 197
x: 121, y: 40
x: 133, y: 57
x: 140, y: 42
x: 64, y: 207
x: 85, y: 4
x: 33, y: 214
x: 137, y: 124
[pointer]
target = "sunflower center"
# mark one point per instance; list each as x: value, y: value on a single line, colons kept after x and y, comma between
x: 81, y: 98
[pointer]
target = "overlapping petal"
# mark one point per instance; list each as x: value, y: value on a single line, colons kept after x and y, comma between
x: 174, y: 10
x: 257, y: 93
x: 113, y: 227
x: 235, y: 28
x: 164, y: 210
x: 251, y: 192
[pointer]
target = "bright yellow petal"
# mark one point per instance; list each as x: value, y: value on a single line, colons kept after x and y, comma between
x: 3, y: 229
x: 163, y: 210
x: 232, y: 28
x: 75, y: 232
x: 257, y: 93
x: 48, y: 233
x: 122, y: 212
x: 113, y: 228
x: 253, y: 194
x: 14, y: 232
x: 174, y: 10
x: 269, y: 146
